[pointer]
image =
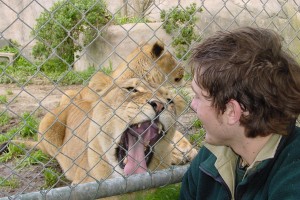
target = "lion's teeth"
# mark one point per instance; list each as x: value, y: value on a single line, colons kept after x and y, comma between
x: 139, y: 125
x: 125, y: 161
x: 159, y: 128
x: 146, y: 143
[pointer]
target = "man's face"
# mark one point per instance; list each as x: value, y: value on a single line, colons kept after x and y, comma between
x: 207, y: 114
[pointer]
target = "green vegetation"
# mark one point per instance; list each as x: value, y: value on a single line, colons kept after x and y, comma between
x: 185, y: 95
x: 61, y: 28
x: 197, y: 138
x: 120, y: 20
x: 3, y: 99
x: 35, y: 157
x: 107, y: 70
x: 8, y: 135
x: 4, y: 119
x: 9, y: 92
x: 180, y: 23
x: 197, y: 123
x: 28, y: 126
x: 51, y: 177
x: 14, y: 151
x: 53, y: 70
x: 9, y: 182
x: 20, y: 70
x: 169, y: 192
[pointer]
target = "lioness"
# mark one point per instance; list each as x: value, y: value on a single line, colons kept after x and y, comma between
x: 128, y: 131
x: 151, y: 63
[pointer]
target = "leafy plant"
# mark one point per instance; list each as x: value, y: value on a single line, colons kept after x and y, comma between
x: 180, y: 23
x: 29, y: 125
x: 58, y: 30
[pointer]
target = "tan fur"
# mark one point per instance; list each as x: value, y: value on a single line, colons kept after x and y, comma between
x: 149, y: 62
x: 83, y: 136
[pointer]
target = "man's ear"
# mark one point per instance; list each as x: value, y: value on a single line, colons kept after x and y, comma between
x: 233, y: 112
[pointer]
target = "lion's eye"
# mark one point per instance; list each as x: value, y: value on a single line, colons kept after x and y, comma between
x: 131, y: 89
x: 170, y: 101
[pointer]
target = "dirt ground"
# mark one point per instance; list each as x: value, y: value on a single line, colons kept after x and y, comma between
x: 38, y: 100
x: 35, y: 99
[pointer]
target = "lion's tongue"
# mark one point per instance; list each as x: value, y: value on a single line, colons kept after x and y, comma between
x: 136, y: 162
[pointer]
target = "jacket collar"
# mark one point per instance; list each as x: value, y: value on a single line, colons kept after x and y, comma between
x: 225, y: 160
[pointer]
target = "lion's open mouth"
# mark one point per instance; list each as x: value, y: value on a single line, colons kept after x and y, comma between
x: 135, y: 149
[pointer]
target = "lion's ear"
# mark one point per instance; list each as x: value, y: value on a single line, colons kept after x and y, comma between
x: 158, y: 48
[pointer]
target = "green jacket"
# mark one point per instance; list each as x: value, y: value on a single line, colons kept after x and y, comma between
x: 274, y: 177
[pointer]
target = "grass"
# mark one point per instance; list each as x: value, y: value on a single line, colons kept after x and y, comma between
x: 3, y: 99
x: 168, y: 192
x: 9, y: 182
x: 9, y: 92
x: 29, y: 125
x: 14, y: 151
x: 121, y: 20
x: 107, y: 70
x: 4, y: 119
x: 34, y: 158
x: 8, y: 135
x: 53, y: 70
x: 51, y: 177
x: 185, y: 95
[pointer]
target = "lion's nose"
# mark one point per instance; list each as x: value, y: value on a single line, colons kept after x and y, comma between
x: 157, y: 106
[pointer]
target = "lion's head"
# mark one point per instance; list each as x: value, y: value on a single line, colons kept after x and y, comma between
x: 136, y: 124
x: 152, y: 63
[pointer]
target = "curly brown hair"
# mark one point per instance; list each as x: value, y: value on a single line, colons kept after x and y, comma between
x: 249, y: 66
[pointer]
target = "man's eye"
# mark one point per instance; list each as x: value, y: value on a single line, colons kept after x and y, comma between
x: 131, y: 89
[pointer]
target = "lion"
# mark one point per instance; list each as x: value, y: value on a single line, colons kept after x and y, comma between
x: 128, y: 131
x: 151, y: 63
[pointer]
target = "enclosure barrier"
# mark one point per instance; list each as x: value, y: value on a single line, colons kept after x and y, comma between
x: 40, y: 30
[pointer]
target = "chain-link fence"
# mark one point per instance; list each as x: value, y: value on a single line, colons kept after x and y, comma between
x: 71, y: 78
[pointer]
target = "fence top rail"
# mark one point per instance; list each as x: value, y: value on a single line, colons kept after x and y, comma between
x: 100, y: 189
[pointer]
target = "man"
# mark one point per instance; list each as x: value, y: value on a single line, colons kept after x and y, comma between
x: 247, y: 95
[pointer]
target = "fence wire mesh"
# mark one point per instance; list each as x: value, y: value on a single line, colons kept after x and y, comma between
x: 71, y: 76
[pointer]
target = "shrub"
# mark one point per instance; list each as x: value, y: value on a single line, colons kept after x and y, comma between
x: 57, y: 30
x: 180, y: 23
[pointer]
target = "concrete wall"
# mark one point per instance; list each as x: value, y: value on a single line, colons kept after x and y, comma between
x: 18, y: 19
x: 118, y: 41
